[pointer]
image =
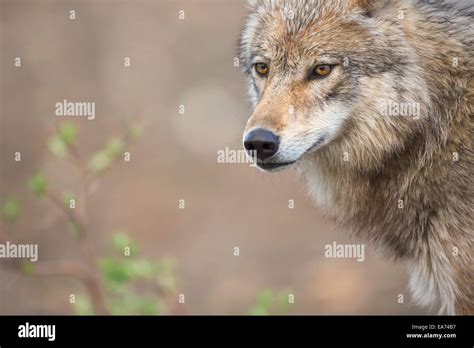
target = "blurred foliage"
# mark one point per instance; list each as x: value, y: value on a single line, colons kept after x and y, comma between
x: 132, y: 284
x: 271, y: 302
x: 100, y: 161
x: 57, y: 147
x: 82, y: 305
x: 103, y: 159
x: 114, y: 147
x: 38, y: 184
x: 66, y: 136
x: 11, y: 209
x: 67, y: 133
x: 125, y: 272
x: 135, y: 130
x: 124, y: 244
x: 27, y: 267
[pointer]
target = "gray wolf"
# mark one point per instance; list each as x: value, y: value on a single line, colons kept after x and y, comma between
x: 372, y: 104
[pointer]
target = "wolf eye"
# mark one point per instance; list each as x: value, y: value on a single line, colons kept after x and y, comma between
x: 261, y: 69
x: 322, y: 70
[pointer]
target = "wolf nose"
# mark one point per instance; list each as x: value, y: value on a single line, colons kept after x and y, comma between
x: 262, y: 142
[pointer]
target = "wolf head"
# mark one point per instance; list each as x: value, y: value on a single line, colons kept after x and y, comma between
x: 327, y: 75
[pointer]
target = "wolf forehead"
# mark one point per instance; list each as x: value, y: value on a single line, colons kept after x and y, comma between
x: 287, y: 30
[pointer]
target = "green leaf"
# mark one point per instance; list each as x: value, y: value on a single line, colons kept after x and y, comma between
x: 122, y: 240
x: 130, y: 303
x: 82, y: 305
x: 167, y: 283
x: 148, y: 307
x: 67, y: 133
x: 258, y: 310
x: 269, y: 302
x: 263, y: 303
x: 100, y: 161
x: 135, y: 130
x: 11, y: 209
x: 265, y: 298
x: 57, y: 147
x: 112, y: 287
x: 38, y: 184
x: 27, y: 267
x: 282, y: 304
x: 142, y: 269
x: 114, y: 147
x: 116, y: 271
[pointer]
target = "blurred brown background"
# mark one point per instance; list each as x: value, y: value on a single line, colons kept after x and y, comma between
x: 174, y: 62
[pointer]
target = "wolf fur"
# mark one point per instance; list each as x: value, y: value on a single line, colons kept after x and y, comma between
x: 402, y: 183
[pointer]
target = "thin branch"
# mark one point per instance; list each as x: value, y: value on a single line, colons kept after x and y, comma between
x: 92, y: 281
x: 87, y: 273
x: 60, y: 268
